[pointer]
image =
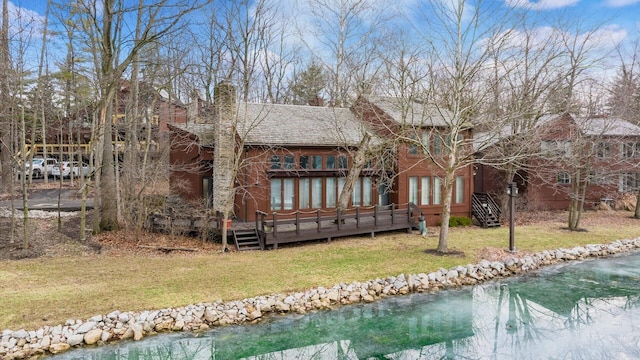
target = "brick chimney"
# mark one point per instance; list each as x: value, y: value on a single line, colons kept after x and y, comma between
x: 224, y: 102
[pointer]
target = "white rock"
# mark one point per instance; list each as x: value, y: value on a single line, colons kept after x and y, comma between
x: 92, y: 336
x: 84, y: 328
x: 74, y: 340
x: 20, y: 334
x: 137, y: 331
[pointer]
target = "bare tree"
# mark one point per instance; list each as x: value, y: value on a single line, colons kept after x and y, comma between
x: 5, y: 98
x: 462, y: 39
x: 624, y: 98
x: 345, y: 35
x: 115, y: 51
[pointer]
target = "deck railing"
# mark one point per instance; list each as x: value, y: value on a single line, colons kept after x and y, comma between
x: 277, y: 228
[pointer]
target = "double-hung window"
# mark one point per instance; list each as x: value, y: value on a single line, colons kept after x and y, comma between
x: 459, y: 189
x: 437, y: 190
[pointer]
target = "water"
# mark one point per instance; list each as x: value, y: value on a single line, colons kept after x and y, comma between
x: 587, y: 310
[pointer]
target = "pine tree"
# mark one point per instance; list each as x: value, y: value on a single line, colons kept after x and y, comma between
x: 306, y: 89
x: 625, y: 95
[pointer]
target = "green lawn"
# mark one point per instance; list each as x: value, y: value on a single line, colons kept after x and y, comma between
x: 52, y: 290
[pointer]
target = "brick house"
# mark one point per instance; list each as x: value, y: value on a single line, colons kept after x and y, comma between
x: 603, y: 151
x: 295, y: 158
x: 155, y: 110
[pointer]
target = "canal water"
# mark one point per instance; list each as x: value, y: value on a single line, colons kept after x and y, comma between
x: 578, y: 310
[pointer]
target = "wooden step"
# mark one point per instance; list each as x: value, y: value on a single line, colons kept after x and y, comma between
x: 247, y: 240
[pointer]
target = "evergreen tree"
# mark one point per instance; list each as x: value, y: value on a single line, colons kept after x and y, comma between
x: 624, y: 101
x: 306, y: 88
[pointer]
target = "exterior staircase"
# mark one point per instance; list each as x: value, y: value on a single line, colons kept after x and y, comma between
x: 247, y: 240
x: 485, y: 210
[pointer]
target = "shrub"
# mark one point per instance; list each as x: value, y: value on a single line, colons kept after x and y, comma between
x: 455, y: 221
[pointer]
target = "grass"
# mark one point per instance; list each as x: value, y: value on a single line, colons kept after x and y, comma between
x: 48, y: 291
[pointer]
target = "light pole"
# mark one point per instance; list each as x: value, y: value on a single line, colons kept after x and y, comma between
x: 512, y: 191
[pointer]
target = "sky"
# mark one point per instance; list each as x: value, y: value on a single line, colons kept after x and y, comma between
x: 618, y: 20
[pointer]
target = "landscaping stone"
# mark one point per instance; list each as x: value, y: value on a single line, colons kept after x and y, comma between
x: 92, y: 336
x: 119, y: 325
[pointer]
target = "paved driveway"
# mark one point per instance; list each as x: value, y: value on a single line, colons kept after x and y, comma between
x: 48, y: 200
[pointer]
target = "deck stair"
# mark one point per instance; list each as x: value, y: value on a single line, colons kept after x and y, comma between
x: 485, y: 210
x: 247, y: 239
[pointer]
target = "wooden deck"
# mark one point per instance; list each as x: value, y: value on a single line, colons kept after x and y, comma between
x: 282, y: 228
x: 279, y: 228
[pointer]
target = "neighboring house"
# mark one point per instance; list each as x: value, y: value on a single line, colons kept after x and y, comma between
x: 155, y: 111
x: 604, y: 152
x: 295, y: 158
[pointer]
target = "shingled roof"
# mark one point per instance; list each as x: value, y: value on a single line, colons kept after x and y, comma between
x: 604, y: 126
x: 412, y: 112
x: 289, y: 125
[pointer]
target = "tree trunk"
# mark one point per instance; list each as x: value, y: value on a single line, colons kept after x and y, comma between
x: 359, y: 161
x: 636, y: 214
x: 5, y: 119
x: 23, y: 180
x: 108, y: 205
x: 443, y: 240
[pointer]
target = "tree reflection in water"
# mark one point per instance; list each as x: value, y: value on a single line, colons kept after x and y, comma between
x: 578, y: 310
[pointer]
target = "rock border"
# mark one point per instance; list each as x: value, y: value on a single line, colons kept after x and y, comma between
x: 102, y: 329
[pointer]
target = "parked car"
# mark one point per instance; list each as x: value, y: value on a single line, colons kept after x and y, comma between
x: 38, y: 168
x: 67, y: 168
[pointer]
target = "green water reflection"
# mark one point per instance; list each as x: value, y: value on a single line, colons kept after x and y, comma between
x: 583, y: 310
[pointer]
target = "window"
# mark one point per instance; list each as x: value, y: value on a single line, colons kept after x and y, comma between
x: 288, y: 193
x: 276, y: 194
x: 631, y: 149
x: 207, y: 189
x: 459, y: 189
x: 303, y: 202
x: 383, y: 194
x: 413, y: 189
x: 367, y: 191
x: 304, y: 162
x: 563, y: 178
x: 425, y: 141
x: 362, y: 192
x: 275, y: 162
x: 425, y: 193
x: 556, y: 148
x: 343, y: 163
x: 331, y: 192
x: 289, y: 162
x: 356, y: 194
x: 316, y: 162
x: 599, y: 178
x: 282, y: 194
x: 437, y: 145
x: 437, y: 190
x: 628, y: 182
x: 331, y: 161
x: 413, y: 147
x: 316, y: 192
x: 603, y: 150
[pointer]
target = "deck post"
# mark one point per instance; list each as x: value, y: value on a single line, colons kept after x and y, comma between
x: 358, y: 217
x: 275, y: 229
x: 375, y: 215
x: 297, y: 222
x: 393, y: 213
x: 259, y: 221
x: 318, y: 219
